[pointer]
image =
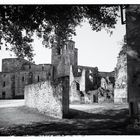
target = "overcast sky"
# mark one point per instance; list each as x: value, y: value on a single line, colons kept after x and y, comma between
x: 97, y: 49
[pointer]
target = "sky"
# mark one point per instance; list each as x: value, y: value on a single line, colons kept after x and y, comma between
x: 96, y: 49
x: 99, y: 48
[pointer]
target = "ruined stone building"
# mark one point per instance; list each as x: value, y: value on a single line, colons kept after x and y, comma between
x: 87, y: 84
x: 16, y: 73
x: 85, y: 81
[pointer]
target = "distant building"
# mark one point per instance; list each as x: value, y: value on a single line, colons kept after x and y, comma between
x: 17, y: 72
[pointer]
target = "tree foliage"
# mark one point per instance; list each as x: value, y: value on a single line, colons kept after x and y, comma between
x: 53, y: 23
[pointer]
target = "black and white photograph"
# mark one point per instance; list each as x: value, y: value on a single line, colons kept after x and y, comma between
x: 69, y: 69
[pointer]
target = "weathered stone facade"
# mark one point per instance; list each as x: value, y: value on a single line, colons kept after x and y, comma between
x: 16, y: 73
x: 63, y: 58
x: 86, y: 84
x: 120, y: 90
x: 49, y: 97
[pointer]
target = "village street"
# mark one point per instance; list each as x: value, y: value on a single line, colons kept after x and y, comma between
x: 17, y: 119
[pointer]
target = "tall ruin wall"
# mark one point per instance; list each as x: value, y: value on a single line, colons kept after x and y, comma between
x: 120, y: 90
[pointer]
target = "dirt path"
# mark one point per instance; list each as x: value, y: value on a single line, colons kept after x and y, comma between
x: 83, y: 119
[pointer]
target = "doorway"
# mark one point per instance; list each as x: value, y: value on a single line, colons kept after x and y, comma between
x: 95, y: 100
x: 3, y: 95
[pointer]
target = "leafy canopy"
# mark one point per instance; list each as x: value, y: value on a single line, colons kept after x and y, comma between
x: 53, y: 23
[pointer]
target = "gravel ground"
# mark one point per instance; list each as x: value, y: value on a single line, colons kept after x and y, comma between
x: 99, y: 119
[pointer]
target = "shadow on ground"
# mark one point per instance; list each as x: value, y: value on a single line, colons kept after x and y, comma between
x: 105, y: 114
x: 107, y: 122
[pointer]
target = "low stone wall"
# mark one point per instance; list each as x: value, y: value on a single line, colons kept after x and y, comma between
x: 49, y: 97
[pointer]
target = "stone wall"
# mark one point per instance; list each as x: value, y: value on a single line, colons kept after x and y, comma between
x: 6, y: 85
x: 49, y: 97
x: 120, y: 95
x: 13, y: 64
x: 17, y: 73
x: 83, y: 79
x: 74, y: 93
x: 40, y: 67
x: 63, y: 57
x: 15, y: 82
x: 94, y: 86
x: 120, y: 91
x: 23, y: 78
x: 107, y: 74
x: 20, y: 79
x: 88, y: 77
x: 103, y: 90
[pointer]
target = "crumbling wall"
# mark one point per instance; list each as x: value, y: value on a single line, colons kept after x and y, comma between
x: 74, y: 93
x: 120, y: 91
x: 106, y: 90
x: 49, y: 97
x: 75, y: 87
x: 82, y: 80
x: 91, y: 77
x: 103, y: 88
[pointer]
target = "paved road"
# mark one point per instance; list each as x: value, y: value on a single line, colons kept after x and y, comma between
x: 83, y: 119
x: 13, y: 112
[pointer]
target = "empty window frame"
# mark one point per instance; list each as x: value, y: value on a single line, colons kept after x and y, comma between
x: 23, y: 79
x: 4, y: 84
x: 38, y: 78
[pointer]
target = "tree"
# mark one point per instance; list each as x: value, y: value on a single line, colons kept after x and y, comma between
x: 53, y: 23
